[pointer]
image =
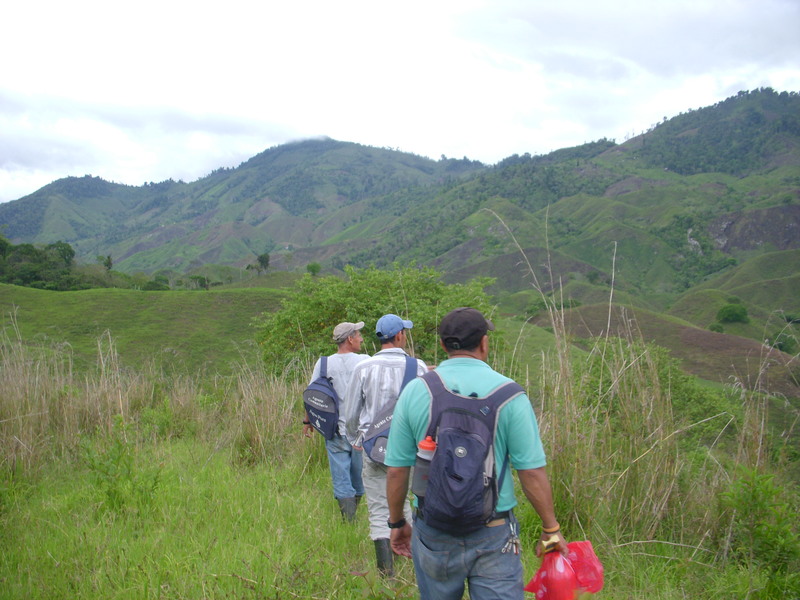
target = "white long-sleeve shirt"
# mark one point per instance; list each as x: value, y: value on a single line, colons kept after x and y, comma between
x: 375, y: 382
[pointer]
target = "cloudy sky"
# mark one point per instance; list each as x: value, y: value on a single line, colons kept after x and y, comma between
x: 152, y: 90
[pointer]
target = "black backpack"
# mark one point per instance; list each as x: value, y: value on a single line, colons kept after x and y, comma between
x: 463, y: 486
x: 374, y: 442
x: 322, y: 402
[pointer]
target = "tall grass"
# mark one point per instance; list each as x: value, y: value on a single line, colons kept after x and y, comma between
x: 213, y: 492
x: 653, y: 468
x: 46, y: 407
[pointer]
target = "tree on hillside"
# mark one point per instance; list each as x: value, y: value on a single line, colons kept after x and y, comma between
x: 314, y: 268
x: 50, y: 267
x: 733, y: 313
x: 295, y: 335
x: 200, y: 282
x: 261, y: 264
x: 61, y: 252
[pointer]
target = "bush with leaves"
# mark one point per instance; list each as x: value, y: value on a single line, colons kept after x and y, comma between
x: 300, y: 331
x: 733, y: 313
x: 763, y: 534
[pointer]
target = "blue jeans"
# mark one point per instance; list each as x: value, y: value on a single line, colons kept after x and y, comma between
x: 443, y: 562
x: 345, y: 464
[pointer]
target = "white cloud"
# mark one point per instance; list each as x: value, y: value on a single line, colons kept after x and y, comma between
x: 175, y: 89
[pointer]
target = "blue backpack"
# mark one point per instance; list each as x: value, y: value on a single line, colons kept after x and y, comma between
x: 322, y: 402
x: 374, y: 442
x: 463, y: 486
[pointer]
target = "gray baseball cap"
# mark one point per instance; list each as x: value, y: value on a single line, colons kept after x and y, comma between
x: 344, y: 330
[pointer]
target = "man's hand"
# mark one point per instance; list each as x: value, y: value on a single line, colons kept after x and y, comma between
x: 396, y: 492
x: 308, y: 430
x: 537, y: 490
x: 551, y: 542
x: 400, y: 540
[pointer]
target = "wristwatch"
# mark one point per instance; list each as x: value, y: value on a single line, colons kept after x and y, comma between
x: 396, y: 524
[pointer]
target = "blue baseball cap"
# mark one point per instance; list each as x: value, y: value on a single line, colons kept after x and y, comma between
x: 390, y: 325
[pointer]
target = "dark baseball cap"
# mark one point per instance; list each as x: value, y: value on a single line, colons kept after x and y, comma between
x: 463, y: 328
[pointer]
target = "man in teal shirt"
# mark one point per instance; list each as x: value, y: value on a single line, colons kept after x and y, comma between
x: 444, y: 561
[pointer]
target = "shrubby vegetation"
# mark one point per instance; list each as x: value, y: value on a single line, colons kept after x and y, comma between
x: 714, y: 137
x: 694, y: 254
x: 53, y: 267
x: 50, y: 267
x: 301, y: 331
x: 733, y: 313
x: 210, y: 491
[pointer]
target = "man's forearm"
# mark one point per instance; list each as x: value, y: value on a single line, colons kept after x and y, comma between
x: 397, y: 490
x: 537, y: 489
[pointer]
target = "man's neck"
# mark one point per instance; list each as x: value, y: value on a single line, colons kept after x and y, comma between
x: 390, y: 346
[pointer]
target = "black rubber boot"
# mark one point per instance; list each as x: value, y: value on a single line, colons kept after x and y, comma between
x: 385, y: 557
x: 348, y: 507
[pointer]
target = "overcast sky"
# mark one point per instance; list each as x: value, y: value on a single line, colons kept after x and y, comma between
x: 146, y: 91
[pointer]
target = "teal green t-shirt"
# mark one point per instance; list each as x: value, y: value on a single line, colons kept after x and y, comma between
x: 517, y: 430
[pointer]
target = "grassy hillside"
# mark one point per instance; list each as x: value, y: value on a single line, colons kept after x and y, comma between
x: 285, y: 197
x: 130, y: 484
x: 767, y: 285
x: 715, y: 357
x: 639, y: 215
x: 178, y: 331
x: 674, y: 221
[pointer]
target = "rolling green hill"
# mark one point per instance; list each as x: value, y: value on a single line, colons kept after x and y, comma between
x: 722, y: 359
x: 294, y: 195
x: 177, y: 331
x: 707, y: 200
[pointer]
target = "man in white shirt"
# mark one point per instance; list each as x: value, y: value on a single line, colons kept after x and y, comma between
x: 345, y: 461
x: 373, y: 389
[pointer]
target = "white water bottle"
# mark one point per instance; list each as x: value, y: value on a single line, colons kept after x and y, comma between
x: 425, y: 452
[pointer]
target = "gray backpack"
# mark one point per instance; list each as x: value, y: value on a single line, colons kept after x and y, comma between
x: 463, y: 484
x: 322, y: 402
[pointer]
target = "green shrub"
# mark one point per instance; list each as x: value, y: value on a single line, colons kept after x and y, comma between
x: 733, y: 313
x: 301, y: 330
x: 763, y: 536
x: 784, y: 341
x: 122, y: 486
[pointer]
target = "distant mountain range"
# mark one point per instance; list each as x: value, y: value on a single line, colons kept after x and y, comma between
x: 700, y: 211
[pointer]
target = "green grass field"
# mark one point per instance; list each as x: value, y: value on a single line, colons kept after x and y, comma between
x: 124, y: 479
x: 181, y: 331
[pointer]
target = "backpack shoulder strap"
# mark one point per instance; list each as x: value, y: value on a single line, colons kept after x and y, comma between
x: 501, y: 393
x: 505, y: 392
x: 500, y: 396
x: 497, y: 398
x: 410, y: 372
x: 437, y: 390
x: 323, y: 366
x: 435, y: 385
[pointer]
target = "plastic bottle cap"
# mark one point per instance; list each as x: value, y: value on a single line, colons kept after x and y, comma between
x: 427, y: 444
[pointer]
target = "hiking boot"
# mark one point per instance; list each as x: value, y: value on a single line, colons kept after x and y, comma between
x: 384, y: 556
x: 348, y: 508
